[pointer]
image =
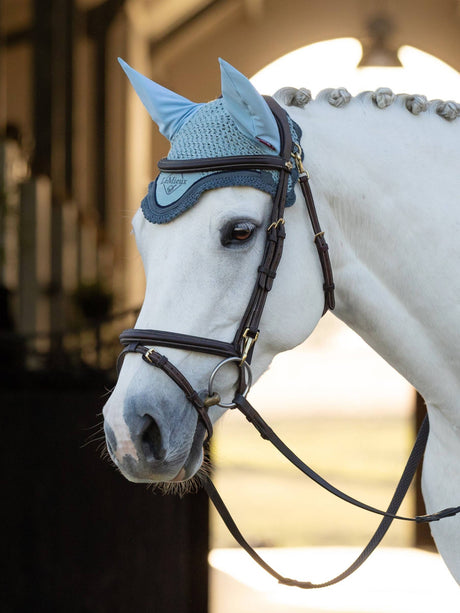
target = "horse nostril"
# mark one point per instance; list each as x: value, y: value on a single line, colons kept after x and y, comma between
x: 151, y: 440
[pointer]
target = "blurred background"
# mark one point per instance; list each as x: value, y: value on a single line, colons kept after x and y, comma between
x: 77, y: 151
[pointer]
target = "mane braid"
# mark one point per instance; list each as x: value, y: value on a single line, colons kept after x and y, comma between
x: 381, y: 98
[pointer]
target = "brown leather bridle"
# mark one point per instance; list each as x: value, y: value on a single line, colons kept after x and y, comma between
x: 240, y: 350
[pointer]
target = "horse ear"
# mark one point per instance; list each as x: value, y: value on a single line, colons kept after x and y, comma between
x: 248, y: 108
x: 167, y: 109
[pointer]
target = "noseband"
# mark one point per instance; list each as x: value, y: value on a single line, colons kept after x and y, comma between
x: 240, y: 350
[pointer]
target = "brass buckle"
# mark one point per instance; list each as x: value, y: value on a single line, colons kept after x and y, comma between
x: 297, y: 155
x: 249, y: 341
x: 275, y: 224
x: 147, y: 355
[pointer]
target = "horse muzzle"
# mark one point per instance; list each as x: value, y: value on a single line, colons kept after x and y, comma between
x: 152, y: 443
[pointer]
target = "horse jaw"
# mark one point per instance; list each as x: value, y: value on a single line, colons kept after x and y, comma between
x: 196, y: 286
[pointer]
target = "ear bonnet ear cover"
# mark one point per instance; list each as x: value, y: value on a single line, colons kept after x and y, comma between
x: 236, y: 124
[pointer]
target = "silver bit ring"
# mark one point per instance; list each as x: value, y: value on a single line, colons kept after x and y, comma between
x: 247, y: 374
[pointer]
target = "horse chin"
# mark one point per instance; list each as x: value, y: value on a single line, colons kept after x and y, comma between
x: 196, y: 457
x: 195, y: 469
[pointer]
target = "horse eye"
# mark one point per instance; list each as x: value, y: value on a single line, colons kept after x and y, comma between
x: 242, y: 231
x: 237, y: 233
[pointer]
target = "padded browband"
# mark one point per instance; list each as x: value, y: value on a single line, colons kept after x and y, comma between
x: 235, y: 162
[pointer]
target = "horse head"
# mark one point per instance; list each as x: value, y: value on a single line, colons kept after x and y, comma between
x: 201, y: 236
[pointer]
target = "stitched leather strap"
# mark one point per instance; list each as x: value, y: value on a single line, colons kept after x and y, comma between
x: 175, y: 340
x: 236, y: 162
x: 388, y: 516
x: 321, y: 245
x: 275, y: 238
x: 268, y: 434
x: 154, y: 358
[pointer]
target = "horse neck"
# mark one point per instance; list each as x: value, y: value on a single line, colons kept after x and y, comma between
x: 387, y: 201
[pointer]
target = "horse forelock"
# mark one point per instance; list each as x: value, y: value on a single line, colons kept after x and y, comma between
x: 381, y: 98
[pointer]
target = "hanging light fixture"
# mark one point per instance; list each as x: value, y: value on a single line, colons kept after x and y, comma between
x: 377, y: 50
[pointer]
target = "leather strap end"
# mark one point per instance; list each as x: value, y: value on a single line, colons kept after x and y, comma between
x: 449, y: 512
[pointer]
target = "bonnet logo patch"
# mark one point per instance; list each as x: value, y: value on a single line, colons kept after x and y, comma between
x: 171, y: 182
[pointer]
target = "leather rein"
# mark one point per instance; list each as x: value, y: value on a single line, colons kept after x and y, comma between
x: 241, y: 349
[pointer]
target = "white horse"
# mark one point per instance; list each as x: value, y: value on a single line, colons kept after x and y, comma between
x: 385, y: 177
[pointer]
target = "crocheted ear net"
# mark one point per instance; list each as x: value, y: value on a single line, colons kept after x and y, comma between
x: 210, y: 132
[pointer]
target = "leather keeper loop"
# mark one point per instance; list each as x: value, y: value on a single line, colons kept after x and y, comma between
x: 267, y: 271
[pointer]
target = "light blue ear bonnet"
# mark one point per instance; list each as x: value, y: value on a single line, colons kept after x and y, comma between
x: 238, y: 123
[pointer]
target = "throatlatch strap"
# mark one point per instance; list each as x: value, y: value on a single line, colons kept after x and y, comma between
x: 321, y: 244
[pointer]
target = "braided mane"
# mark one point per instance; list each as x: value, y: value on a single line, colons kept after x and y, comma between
x: 381, y: 98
